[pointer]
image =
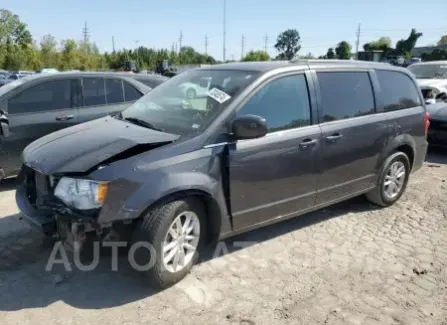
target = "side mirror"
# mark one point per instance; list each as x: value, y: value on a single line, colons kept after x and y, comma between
x: 249, y: 127
x: 4, y: 125
x: 442, y: 96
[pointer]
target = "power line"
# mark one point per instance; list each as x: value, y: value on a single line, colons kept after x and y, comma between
x: 242, y: 46
x: 266, y: 40
x: 206, y: 44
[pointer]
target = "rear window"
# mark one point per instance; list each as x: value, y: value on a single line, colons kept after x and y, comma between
x: 345, y: 95
x: 398, y: 91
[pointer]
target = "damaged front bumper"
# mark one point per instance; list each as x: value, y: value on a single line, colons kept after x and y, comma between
x: 42, y: 210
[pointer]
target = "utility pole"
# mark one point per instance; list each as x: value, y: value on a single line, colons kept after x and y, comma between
x: 86, y: 34
x: 224, y: 29
x: 113, y: 44
x: 266, y: 40
x: 180, y: 39
x: 173, y: 47
x: 357, y: 43
x: 242, y: 46
x: 206, y: 44
x: 136, y: 50
x: 176, y: 45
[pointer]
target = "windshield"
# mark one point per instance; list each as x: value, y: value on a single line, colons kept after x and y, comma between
x: 13, y: 84
x: 187, y: 103
x: 429, y: 71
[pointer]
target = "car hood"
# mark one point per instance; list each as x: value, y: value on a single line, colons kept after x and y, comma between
x: 437, y: 111
x: 79, y: 148
x: 436, y: 83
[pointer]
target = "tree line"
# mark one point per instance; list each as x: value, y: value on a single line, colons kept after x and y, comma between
x: 19, y: 51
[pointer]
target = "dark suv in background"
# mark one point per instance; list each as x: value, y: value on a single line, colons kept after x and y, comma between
x: 269, y: 141
x: 39, y: 104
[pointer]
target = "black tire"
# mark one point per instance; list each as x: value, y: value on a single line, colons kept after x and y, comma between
x: 191, y: 93
x: 153, y: 228
x: 377, y: 195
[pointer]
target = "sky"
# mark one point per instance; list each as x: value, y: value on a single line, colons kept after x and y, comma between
x: 321, y: 23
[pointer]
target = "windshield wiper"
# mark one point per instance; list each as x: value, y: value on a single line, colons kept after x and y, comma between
x: 143, y: 123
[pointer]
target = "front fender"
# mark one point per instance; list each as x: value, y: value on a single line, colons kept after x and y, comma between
x: 129, y: 199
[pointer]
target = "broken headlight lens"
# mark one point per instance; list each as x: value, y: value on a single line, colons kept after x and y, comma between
x: 82, y: 194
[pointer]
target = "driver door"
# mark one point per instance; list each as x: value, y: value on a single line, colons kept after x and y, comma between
x: 275, y: 176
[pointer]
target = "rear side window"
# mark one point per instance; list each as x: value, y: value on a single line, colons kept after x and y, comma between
x: 94, y: 92
x: 284, y: 103
x: 130, y: 92
x: 114, y: 91
x: 46, y: 96
x: 397, y: 90
x: 345, y: 95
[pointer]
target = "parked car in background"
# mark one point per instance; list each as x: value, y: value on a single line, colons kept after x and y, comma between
x: 199, y: 88
x: 43, y: 103
x: 432, y: 79
x: 437, y: 133
x: 413, y: 60
x: 269, y: 141
x: 47, y: 70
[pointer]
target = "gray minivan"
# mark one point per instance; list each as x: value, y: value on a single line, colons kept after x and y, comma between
x: 267, y: 142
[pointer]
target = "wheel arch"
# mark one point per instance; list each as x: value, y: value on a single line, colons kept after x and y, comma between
x: 214, y: 216
x: 403, y: 143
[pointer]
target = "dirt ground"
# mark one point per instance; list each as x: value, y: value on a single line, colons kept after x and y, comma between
x: 348, y: 264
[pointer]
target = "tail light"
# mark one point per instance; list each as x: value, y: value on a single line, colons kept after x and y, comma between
x: 427, y: 122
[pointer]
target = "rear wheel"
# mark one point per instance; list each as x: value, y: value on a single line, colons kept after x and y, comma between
x: 175, y: 231
x: 392, y: 180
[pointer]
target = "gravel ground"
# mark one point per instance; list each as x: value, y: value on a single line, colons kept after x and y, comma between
x: 348, y: 264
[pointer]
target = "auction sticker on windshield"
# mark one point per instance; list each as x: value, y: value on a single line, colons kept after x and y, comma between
x: 218, y: 95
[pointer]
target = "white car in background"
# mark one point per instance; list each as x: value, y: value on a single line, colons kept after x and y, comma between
x: 432, y: 78
x: 192, y: 90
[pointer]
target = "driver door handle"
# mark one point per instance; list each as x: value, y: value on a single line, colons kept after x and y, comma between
x: 65, y: 117
x: 308, y: 143
x: 334, y: 137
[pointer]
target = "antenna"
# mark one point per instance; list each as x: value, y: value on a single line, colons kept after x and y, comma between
x: 224, y: 28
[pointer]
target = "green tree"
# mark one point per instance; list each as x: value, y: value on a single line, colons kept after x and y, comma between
x: 382, y: 44
x: 330, y: 53
x: 309, y: 56
x: 343, y: 50
x: 435, y: 55
x: 442, y: 41
x: 288, y: 44
x: 256, y: 56
x: 48, y: 51
x: 13, y: 30
x: 404, y: 47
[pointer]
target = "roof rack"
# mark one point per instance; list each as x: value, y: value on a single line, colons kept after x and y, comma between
x: 333, y: 61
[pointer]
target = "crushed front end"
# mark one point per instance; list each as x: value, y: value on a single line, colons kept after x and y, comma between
x: 47, y: 212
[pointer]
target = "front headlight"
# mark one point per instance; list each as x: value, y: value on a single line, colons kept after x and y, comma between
x: 81, y: 194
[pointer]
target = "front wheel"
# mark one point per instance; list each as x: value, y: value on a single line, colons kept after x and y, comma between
x: 176, y: 232
x: 392, y: 181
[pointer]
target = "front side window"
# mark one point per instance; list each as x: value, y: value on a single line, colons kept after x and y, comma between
x: 345, y: 95
x: 284, y: 103
x: 46, y: 96
x: 169, y: 108
x: 94, y: 91
x: 114, y: 91
x: 397, y: 90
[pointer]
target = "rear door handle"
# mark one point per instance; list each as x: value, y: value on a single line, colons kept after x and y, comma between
x: 65, y: 117
x: 334, y: 137
x: 308, y: 143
